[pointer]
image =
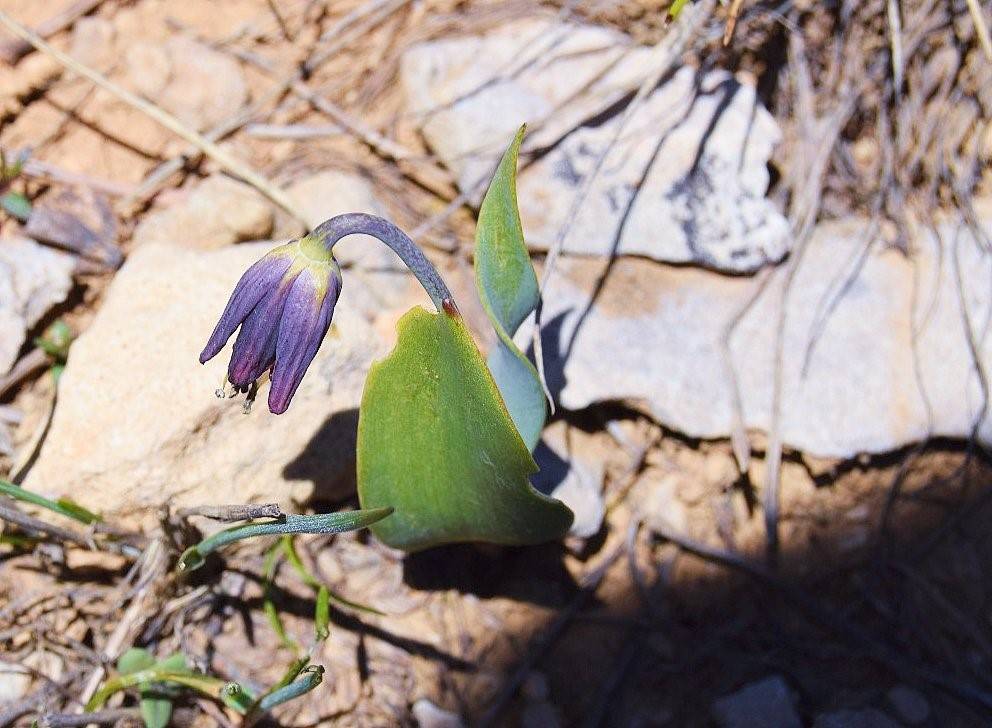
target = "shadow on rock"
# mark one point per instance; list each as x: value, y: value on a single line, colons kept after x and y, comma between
x: 328, y: 460
x: 533, y: 574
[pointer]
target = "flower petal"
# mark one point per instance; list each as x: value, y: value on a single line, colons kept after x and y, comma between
x: 255, y: 348
x: 305, y: 321
x: 258, y: 281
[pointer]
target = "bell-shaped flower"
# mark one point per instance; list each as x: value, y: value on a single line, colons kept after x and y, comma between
x: 283, y: 304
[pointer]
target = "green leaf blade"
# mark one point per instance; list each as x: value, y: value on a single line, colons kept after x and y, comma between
x: 520, y: 386
x: 462, y: 471
x: 503, y: 271
x: 509, y: 292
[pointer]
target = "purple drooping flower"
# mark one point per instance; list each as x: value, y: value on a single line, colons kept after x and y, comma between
x: 283, y: 304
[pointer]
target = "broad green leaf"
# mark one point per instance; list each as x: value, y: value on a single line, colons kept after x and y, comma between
x: 436, y: 443
x: 134, y: 660
x: 156, y: 706
x: 509, y: 292
x: 16, y: 205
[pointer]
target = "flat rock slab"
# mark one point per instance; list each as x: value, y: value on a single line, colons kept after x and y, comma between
x: 219, y: 211
x: 871, y: 361
x: 33, y: 279
x: 137, y: 424
x: 685, y: 181
x: 199, y: 85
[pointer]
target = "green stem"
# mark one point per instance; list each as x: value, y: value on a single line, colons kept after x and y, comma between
x: 331, y: 231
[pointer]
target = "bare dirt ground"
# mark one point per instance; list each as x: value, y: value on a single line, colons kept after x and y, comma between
x: 885, y: 572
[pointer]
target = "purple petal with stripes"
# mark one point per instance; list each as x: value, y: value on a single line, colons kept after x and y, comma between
x: 257, y: 282
x: 255, y: 348
x: 304, y: 324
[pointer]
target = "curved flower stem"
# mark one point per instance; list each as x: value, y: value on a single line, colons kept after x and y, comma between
x: 331, y: 231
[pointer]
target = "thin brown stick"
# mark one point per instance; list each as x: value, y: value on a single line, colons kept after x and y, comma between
x: 12, y: 51
x: 894, y: 17
x: 158, y: 177
x: 99, y: 717
x: 234, y: 512
x: 820, y: 134
x: 48, y: 172
x: 27, y: 365
x: 226, y: 160
x: 739, y: 441
x: 732, y: 15
x: 12, y: 514
x: 280, y: 20
x: 980, y: 27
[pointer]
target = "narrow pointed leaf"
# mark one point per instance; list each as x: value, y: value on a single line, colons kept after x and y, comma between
x: 436, y: 443
x: 289, y: 549
x: 268, y: 603
x: 509, y: 293
x: 322, y: 614
x: 195, y: 556
x: 63, y: 506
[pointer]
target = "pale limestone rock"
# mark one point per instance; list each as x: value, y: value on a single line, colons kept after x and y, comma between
x: 195, y: 83
x: 685, y: 182
x: 218, y: 212
x: 14, y: 682
x: 571, y: 475
x: 94, y: 42
x: 654, y: 336
x: 472, y: 93
x: 137, y: 424
x: 429, y: 715
x: 33, y: 279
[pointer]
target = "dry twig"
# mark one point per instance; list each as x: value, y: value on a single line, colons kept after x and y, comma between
x: 233, y: 513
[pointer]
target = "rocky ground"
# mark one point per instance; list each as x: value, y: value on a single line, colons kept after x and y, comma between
x: 767, y: 337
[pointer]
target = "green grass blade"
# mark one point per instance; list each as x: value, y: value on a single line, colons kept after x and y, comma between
x: 63, y: 506
x: 293, y: 557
